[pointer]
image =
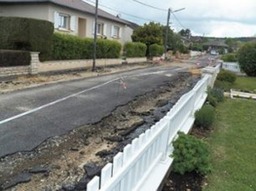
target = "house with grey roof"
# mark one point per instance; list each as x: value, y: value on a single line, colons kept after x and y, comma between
x: 74, y: 17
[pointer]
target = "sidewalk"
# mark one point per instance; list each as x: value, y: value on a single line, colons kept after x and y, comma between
x: 24, y: 82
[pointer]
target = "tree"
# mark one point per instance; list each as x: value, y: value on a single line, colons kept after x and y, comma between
x: 174, y: 41
x: 185, y: 33
x: 247, y: 58
x: 148, y: 34
x: 232, y: 44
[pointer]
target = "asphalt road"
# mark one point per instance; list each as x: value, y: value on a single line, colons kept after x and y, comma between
x: 28, y: 117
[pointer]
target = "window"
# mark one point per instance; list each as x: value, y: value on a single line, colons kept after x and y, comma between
x: 64, y: 21
x: 116, y: 32
x: 100, y: 29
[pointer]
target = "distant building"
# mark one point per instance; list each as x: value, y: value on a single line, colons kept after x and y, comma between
x: 216, y: 47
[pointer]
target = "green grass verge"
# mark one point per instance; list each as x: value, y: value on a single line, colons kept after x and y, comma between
x: 242, y: 82
x: 233, y: 147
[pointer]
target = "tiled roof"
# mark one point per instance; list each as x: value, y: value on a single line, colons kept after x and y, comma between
x: 73, y: 4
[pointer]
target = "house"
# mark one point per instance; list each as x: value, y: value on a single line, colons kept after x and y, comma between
x: 74, y: 17
x: 216, y: 47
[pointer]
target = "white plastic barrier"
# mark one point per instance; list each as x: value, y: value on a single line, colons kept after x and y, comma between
x: 143, y: 164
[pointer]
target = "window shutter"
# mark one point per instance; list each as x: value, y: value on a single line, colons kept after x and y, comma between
x: 120, y: 32
x: 105, y: 29
x: 56, y: 20
x: 112, y: 31
x: 93, y: 27
x: 73, y: 23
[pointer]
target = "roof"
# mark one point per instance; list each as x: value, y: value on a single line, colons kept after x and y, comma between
x: 216, y: 43
x: 78, y: 5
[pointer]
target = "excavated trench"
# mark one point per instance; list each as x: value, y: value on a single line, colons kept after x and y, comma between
x: 70, y: 161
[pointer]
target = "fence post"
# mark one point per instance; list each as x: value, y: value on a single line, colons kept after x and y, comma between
x: 34, y: 63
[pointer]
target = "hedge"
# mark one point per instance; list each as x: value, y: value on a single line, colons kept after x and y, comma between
x: 230, y: 57
x: 156, y: 50
x: 135, y: 49
x: 25, y: 34
x: 67, y: 47
x: 10, y: 58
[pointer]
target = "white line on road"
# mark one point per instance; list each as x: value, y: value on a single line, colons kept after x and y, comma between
x: 55, y: 102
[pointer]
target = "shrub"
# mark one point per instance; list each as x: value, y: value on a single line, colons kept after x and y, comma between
x: 226, y: 76
x: 67, y: 47
x: 217, y: 93
x: 135, y: 49
x: 205, y: 116
x: 247, y: 58
x: 9, y: 58
x: 212, y: 100
x: 231, y: 57
x: 225, y: 86
x: 190, y: 154
x: 156, y: 50
x: 25, y: 34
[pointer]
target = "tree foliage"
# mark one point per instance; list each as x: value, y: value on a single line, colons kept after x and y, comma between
x: 247, y: 58
x: 148, y: 34
x: 185, y: 33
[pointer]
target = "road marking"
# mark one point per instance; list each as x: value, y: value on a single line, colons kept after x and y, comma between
x: 78, y: 93
x: 55, y: 102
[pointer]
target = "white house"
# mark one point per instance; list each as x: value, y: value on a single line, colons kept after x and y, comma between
x: 70, y: 16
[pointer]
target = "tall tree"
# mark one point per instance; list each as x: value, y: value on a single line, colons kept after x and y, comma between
x: 185, y: 33
x: 148, y: 34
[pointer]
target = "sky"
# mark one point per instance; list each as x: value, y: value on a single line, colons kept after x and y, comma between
x: 214, y: 18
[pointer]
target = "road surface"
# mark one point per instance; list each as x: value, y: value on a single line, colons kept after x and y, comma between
x: 29, y: 117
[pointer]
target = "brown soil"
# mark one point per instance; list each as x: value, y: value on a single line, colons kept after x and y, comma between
x: 64, y: 156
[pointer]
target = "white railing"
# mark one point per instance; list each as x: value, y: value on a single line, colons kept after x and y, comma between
x: 137, y: 167
x: 231, y: 66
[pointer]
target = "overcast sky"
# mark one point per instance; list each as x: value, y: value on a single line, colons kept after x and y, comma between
x: 218, y: 18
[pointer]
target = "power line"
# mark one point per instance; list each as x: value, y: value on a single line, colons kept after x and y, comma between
x: 151, y: 6
x: 176, y: 18
x: 110, y: 8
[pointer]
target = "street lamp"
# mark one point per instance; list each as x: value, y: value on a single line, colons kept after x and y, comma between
x: 167, y: 28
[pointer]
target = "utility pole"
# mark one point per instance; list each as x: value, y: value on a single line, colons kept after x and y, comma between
x: 95, y: 36
x: 166, y: 33
x: 167, y: 29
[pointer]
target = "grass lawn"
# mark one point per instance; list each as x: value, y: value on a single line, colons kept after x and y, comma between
x: 233, y: 146
x: 245, y: 83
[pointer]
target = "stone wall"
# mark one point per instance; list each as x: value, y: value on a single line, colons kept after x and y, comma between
x: 37, y: 67
x: 14, y: 71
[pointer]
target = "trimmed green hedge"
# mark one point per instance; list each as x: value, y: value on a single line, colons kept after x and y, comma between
x: 68, y: 47
x: 230, y: 57
x: 135, y: 49
x: 156, y: 50
x: 25, y: 34
x: 11, y: 58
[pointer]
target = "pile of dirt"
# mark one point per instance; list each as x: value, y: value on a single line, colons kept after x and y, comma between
x: 69, y: 162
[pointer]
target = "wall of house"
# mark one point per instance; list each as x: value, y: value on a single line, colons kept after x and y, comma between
x: 47, y: 12
x: 24, y: 10
x: 108, y: 25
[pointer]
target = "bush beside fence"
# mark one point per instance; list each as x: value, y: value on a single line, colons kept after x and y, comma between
x: 135, y: 49
x: 25, y: 34
x: 10, y: 58
x: 68, y: 47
